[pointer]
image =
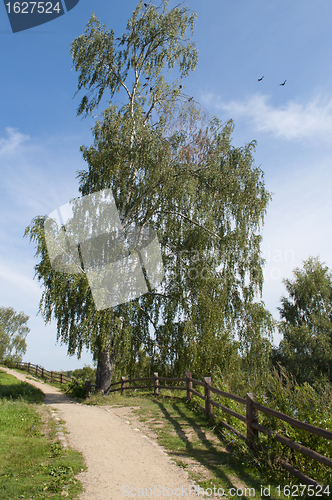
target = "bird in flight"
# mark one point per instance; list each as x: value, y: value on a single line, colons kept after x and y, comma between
x: 260, y: 79
x: 283, y: 83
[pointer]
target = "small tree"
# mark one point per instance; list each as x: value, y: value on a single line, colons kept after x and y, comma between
x: 306, y: 323
x: 13, y: 332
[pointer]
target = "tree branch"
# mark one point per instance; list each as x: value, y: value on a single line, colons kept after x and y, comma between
x: 190, y: 220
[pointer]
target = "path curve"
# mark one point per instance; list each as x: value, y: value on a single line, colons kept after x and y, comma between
x: 119, y: 459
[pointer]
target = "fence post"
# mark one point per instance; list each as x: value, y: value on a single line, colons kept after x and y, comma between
x: 16, y: 364
x: 189, y: 386
x: 43, y: 372
x: 87, y: 388
x: 51, y: 375
x: 29, y: 367
x: 251, y: 416
x: 156, y: 384
x: 61, y: 380
x: 123, y: 386
x: 208, y: 405
x: 36, y: 369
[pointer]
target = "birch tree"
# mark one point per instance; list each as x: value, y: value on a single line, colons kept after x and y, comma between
x: 13, y: 332
x: 172, y: 169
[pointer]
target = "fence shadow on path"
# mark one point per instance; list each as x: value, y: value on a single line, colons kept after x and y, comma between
x: 211, y: 456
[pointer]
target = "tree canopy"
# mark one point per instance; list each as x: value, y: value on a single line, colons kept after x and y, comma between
x: 13, y: 332
x: 174, y: 170
x: 306, y: 323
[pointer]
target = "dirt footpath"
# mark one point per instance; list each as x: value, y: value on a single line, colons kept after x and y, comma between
x: 119, y: 459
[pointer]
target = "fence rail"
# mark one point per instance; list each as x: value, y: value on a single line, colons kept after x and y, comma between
x: 53, y: 376
x: 250, y: 419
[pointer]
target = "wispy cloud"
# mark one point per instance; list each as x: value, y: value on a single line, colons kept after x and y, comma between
x: 37, y: 173
x: 310, y: 120
x: 14, y: 139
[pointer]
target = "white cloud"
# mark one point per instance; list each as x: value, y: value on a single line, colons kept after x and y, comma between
x: 11, y: 143
x: 311, y: 120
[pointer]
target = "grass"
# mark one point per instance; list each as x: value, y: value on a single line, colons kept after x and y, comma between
x: 70, y: 388
x: 32, y: 376
x: 34, y: 464
x: 13, y: 389
x: 193, y: 443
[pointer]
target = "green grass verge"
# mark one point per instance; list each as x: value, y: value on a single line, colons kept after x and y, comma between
x: 32, y: 375
x: 69, y: 388
x: 195, y: 444
x: 33, y: 464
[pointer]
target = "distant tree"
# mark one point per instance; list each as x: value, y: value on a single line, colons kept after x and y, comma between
x: 173, y: 170
x: 83, y: 374
x: 13, y: 332
x: 306, y: 323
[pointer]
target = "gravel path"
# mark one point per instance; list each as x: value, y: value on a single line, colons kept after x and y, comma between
x: 119, y: 459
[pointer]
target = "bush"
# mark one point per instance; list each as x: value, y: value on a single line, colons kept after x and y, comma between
x: 75, y: 390
x: 312, y: 405
x: 83, y: 374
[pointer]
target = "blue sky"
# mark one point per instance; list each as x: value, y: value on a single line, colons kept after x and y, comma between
x: 238, y: 41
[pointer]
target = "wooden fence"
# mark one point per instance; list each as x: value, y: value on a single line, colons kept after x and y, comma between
x: 53, y: 376
x: 250, y: 419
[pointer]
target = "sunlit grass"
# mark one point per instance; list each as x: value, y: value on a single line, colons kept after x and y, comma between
x: 33, y: 464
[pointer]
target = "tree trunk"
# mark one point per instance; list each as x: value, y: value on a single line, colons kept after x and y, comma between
x: 105, y: 364
x: 105, y: 370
